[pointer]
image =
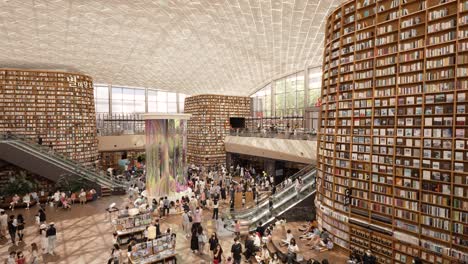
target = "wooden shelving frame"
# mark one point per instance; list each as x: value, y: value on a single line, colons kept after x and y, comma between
x: 209, y: 125
x: 393, y: 129
x: 57, y: 106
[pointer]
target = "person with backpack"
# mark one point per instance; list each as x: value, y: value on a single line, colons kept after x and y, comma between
x: 236, y: 250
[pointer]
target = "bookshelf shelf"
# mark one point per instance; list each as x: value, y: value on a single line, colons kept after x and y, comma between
x: 393, y: 128
x: 57, y: 106
x: 209, y: 125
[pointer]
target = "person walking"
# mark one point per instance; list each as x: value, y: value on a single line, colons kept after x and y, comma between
x: 42, y: 216
x: 218, y: 254
x: 215, y: 209
x: 201, y: 240
x: 194, y: 241
x: 214, y: 241
x: 12, y: 224
x: 51, y: 235
x: 20, y: 227
x: 236, y: 251
x: 43, y: 234
x: 3, y: 223
x: 166, y: 204
x: 186, y: 222
x: 34, y: 254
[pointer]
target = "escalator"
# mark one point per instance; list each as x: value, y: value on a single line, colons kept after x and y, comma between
x: 40, y: 160
x: 283, y: 201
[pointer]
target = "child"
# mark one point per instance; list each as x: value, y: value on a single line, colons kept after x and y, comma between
x: 229, y: 260
x: 11, y: 258
x: 20, y: 258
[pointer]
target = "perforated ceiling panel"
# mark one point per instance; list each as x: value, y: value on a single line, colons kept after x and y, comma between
x: 205, y: 46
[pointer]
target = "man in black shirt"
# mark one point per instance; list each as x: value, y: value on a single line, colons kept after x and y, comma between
x: 236, y: 251
x: 260, y: 229
x: 51, y: 235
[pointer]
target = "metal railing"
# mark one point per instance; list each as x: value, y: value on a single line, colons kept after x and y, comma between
x: 120, y: 124
x: 298, y: 135
x: 247, y: 213
x: 87, y: 172
x: 283, y: 202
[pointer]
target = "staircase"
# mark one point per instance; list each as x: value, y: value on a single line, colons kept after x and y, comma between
x: 283, y: 201
x: 52, y: 165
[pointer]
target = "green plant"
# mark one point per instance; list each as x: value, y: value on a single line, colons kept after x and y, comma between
x: 70, y: 182
x: 141, y: 158
x: 19, y: 184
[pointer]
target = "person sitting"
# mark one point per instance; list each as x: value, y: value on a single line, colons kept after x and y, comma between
x: 368, y: 258
x: 311, y: 234
x: 65, y: 203
x: 293, y: 249
x: 288, y: 238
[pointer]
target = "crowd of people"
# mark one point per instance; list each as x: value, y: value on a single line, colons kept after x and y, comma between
x: 14, y: 225
x: 212, y: 189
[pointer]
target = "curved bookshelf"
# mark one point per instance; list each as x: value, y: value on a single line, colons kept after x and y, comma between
x: 57, y: 106
x: 393, y: 139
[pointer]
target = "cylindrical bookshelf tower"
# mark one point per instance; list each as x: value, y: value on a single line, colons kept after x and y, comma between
x: 56, y: 106
x: 393, y: 146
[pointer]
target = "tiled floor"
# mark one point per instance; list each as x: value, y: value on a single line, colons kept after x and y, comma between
x: 84, y: 236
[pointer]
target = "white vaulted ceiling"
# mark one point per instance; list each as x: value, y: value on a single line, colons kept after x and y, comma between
x: 190, y: 46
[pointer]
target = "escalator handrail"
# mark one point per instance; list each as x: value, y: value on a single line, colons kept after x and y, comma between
x: 56, y: 157
x: 63, y: 165
x: 243, y: 213
x: 251, y: 222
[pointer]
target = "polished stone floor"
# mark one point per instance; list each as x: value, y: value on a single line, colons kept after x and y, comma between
x: 84, y: 235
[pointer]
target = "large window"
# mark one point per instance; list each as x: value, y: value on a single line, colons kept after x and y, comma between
x: 101, y: 98
x: 182, y: 102
x: 315, y: 85
x: 289, y: 95
x: 126, y: 100
x: 262, y: 102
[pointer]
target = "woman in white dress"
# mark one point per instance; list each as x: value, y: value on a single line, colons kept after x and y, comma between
x: 42, y: 232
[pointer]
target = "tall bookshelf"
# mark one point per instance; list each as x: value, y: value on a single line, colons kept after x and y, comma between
x: 393, y: 145
x: 57, y: 106
x: 209, y: 125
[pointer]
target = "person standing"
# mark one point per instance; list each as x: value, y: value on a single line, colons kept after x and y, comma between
x: 12, y: 228
x: 186, y: 222
x: 51, y: 235
x: 3, y: 223
x: 34, y: 254
x: 166, y: 206
x: 20, y: 227
x: 20, y: 259
x: 43, y: 234
x: 215, y: 209
x: 11, y: 258
x: 42, y: 216
x: 194, y: 240
x: 236, y: 251
x: 217, y: 254
x: 201, y: 240
x: 213, y: 243
x: 197, y: 217
x: 293, y: 249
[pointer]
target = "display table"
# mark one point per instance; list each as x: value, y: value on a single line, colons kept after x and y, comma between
x: 131, y: 226
x: 160, y: 250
